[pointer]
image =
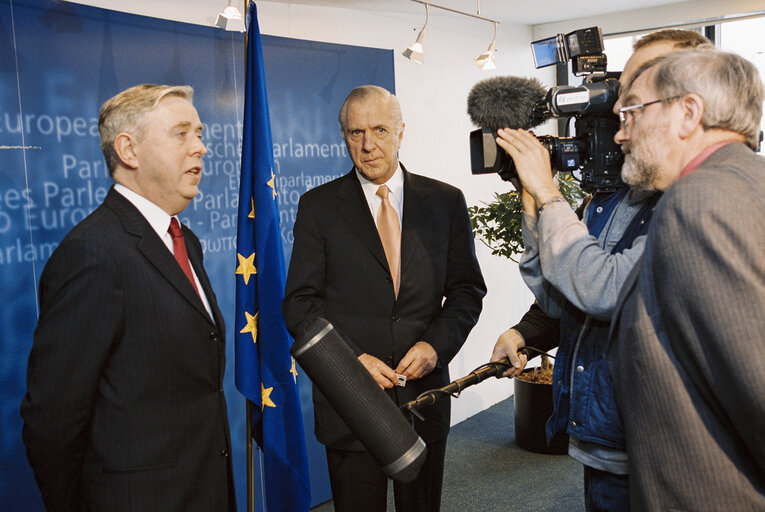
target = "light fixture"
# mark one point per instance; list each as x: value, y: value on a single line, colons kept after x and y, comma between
x: 230, y: 19
x: 415, y: 51
x: 485, y: 61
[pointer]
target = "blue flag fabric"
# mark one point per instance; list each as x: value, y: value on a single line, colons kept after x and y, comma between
x: 265, y: 372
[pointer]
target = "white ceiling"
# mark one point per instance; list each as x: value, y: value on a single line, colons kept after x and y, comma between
x: 529, y: 12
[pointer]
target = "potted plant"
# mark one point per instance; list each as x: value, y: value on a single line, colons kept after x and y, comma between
x: 498, y: 226
x: 533, y: 402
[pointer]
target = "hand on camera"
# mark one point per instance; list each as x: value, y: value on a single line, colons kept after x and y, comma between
x: 532, y: 162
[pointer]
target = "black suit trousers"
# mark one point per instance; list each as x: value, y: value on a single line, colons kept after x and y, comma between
x: 358, y: 482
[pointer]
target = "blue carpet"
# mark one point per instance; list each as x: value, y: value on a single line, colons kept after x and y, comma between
x: 486, y: 471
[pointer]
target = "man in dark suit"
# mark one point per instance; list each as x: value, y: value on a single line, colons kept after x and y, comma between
x: 124, y: 409
x: 687, y: 358
x: 387, y: 256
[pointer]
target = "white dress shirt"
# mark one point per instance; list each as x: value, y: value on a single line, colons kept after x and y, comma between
x: 395, y: 185
x: 159, y: 220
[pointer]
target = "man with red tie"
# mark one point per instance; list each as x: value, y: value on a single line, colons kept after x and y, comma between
x: 124, y: 409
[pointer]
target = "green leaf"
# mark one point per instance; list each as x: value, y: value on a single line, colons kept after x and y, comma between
x: 498, y: 224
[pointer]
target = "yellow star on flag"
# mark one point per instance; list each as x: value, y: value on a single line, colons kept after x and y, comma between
x: 252, y: 326
x: 246, y: 266
x: 271, y: 183
x: 293, y: 370
x: 265, y: 397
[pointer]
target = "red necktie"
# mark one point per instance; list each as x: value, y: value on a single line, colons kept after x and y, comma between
x: 179, y: 251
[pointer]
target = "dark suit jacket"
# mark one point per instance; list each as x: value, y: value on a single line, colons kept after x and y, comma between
x: 124, y: 408
x: 338, y: 271
x: 689, y: 362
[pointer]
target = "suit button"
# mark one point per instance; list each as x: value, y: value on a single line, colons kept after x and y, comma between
x: 388, y: 279
x: 573, y: 424
x: 214, y: 337
x: 389, y: 361
x: 224, y: 453
x: 579, y: 369
x: 395, y: 318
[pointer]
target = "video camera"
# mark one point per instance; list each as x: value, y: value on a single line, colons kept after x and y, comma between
x: 512, y: 102
x: 584, y: 48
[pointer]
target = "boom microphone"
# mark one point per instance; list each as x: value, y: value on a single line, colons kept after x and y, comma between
x: 359, y: 400
x: 505, y: 102
x: 455, y: 387
x: 502, y: 102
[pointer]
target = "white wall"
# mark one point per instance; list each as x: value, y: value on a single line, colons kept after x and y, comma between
x: 695, y: 12
x: 433, y: 99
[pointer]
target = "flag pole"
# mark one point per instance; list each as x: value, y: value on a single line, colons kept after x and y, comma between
x: 248, y: 413
x: 246, y: 10
x: 263, y: 373
x: 250, y: 465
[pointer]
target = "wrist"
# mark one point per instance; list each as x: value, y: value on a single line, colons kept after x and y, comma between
x: 528, y: 203
x: 551, y: 200
x: 520, y: 342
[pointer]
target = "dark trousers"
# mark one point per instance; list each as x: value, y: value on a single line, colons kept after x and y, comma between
x: 606, y: 492
x: 359, y: 484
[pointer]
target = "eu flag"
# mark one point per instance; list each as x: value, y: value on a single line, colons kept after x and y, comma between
x: 265, y: 371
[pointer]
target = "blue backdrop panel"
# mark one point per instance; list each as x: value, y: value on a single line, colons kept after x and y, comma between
x: 58, y: 63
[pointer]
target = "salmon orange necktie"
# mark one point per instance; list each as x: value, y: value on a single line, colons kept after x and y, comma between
x: 390, y: 236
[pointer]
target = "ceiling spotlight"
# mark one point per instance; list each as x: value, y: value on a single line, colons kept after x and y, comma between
x: 485, y: 61
x: 230, y: 19
x: 415, y: 52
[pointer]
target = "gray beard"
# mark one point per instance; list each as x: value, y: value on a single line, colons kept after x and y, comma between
x: 638, y: 174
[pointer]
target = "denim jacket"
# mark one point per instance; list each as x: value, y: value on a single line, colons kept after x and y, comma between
x: 583, y: 393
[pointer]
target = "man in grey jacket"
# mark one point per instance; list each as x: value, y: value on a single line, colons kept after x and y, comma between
x: 688, y: 358
x: 575, y: 269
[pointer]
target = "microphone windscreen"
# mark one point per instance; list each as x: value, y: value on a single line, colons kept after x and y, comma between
x: 504, y: 102
x: 373, y: 417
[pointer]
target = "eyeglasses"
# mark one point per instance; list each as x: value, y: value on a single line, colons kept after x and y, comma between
x: 627, y: 114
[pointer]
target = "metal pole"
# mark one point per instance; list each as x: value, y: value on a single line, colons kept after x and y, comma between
x: 246, y: 10
x: 250, y: 464
x: 248, y: 419
x: 450, y: 9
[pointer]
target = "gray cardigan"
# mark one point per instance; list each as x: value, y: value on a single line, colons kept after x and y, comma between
x: 562, y: 260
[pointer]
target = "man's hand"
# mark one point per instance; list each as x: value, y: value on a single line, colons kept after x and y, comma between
x: 527, y: 201
x: 418, y: 361
x: 532, y: 162
x: 507, y: 346
x: 380, y: 372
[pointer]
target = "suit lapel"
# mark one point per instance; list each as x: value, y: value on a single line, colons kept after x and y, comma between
x: 416, y: 213
x: 195, y: 257
x: 155, y: 250
x: 353, y: 208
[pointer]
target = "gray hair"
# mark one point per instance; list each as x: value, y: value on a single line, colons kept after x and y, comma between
x: 126, y: 111
x: 729, y: 85
x: 365, y: 91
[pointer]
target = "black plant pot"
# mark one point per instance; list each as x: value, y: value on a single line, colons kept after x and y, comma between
x: 533, y: 406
